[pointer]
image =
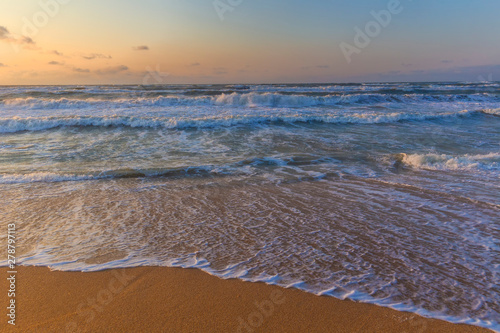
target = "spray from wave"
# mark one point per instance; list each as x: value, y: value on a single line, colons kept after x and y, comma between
x: 448, y: 162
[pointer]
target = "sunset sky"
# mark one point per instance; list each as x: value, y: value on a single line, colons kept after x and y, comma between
x: 251, y: 41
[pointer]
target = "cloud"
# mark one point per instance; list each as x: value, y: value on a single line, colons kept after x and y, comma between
x: 111, y: 70
x: 57, y: 53
x: 2, y: 65
x: 26, y: 40
x: 81, y: 70
x: 406, y: 65
x: 6, y: 36
x: 56, y: 63
x: 96, y: 56
x: 4, y: 33
x: 220, y: 70
x: 318, y: 66
x: 446, y: 61
x: 140, y: 48
x: 194, y: 64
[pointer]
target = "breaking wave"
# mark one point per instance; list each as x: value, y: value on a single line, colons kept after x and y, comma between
x: 18, y: 124
x: 448, y: 162
x: 252, y: 99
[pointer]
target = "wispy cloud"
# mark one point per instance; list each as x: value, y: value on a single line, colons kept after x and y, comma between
x: 95, y: 56
x: 220, y: 70
x: 81, y: 70
x: 57, y: 63
x: 194, y: 64
x: 4, y: 33
x: 313, y: 67
x: 140, y: 48
x: 446, y: 61
x: 2, y: 65
x: 8, y: 37
x: 57, y: 53
x: 111, y: 70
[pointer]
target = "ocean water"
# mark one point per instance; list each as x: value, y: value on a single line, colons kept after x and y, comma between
x: 382, y: 193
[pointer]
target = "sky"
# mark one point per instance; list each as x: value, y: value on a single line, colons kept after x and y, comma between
x: 247, y: 41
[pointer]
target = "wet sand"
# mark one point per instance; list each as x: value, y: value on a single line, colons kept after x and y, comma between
x: 160, y: 299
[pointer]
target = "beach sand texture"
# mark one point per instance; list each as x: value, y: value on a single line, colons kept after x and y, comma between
x: 160, y: 299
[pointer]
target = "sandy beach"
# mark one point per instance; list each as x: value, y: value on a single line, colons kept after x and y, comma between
x: 159, y: 299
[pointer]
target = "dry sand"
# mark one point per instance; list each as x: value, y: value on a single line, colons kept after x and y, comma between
x: 160, y: 299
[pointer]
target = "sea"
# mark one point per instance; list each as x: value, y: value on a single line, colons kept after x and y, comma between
x: 384, y: 193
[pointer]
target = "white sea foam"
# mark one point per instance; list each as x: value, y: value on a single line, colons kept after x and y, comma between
x: 495, y: 112
x: 339, y: 238
x: 448, y: 162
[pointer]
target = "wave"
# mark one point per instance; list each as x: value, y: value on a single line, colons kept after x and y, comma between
x: 66, y: 103
x: 41, y: 177
x: 251, y: 99
x: 448, y: 162
x: 51, y: 177
x: 487, y: 162
x: 18, y: 124
x: 494, y: 112
x: 237, y: 168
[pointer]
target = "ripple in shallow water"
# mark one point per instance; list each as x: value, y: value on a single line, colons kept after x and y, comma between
x: 395, y: 245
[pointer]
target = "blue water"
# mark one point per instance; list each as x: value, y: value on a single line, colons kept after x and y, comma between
x: 382, y: 193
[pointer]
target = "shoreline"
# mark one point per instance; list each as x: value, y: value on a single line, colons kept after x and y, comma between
x: 168, y: 299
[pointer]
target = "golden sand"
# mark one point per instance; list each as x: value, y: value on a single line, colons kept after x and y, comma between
x: 161, y: 299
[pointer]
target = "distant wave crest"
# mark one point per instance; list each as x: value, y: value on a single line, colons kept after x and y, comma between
x: 252, y: 99
x: 18, y: 124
